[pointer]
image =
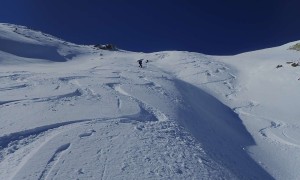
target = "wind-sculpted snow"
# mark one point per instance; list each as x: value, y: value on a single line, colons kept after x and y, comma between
x: 211, y: 121
x: 156, y: 114
x: 34, y: 51
x: 20, y: 45
x: 99, y: 116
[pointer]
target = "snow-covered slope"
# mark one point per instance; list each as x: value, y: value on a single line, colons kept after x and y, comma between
x: 268, y: 102
x: 74, y: 112
x: 19, y: 44
x: 265, y: 97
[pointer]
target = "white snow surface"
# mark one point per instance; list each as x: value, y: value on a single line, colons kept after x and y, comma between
x: 70, y: 111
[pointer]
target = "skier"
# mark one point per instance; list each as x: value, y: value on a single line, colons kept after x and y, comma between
x: 140, y: 61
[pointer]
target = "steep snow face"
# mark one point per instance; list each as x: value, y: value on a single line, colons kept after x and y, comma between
x: 95, y: 114
x: 19, y: 44
x: 263, y: 95
x: 268, y: 101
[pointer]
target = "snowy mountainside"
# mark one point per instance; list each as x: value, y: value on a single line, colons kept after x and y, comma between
x: 268, y: 102
x: 94, y: 114
x: 19, y: 44
x: 262, y: 87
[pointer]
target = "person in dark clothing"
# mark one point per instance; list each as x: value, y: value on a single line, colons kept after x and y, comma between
x: 140, y: 61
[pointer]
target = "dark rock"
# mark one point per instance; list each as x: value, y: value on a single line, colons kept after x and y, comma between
x: 110, y: 47
x: 295, y: 64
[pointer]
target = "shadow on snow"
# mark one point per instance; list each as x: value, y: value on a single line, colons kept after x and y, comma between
x: 28, y: 50
x: 219, y: 130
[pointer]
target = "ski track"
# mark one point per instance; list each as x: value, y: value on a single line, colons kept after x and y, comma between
x: 31, y: 136
x: 16, y: 142
x: 52, y: 162
x: 276, y: 132
x: 280, y: 133
x: 6, y: 140
x: 76, y: 93
x: 14, y: 87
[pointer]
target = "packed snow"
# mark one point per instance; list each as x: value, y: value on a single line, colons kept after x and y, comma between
x: 72, y: 111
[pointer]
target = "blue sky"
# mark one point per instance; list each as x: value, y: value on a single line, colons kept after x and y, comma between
x: 210, y: 27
